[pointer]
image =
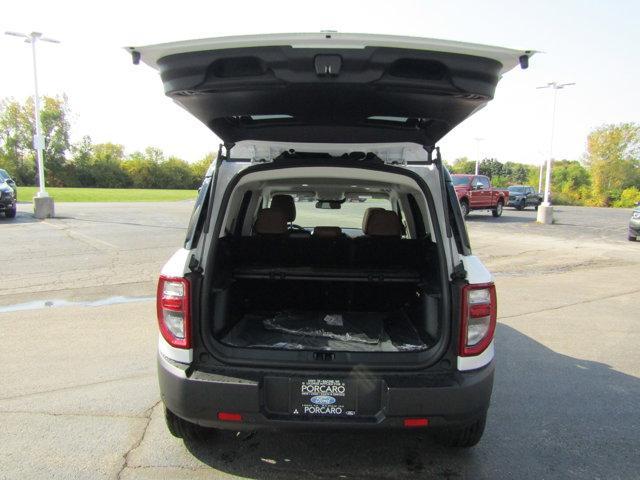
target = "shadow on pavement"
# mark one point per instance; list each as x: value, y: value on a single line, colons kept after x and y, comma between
x: 21, y: 217
x: 523, y: 217
x: 552, y: 416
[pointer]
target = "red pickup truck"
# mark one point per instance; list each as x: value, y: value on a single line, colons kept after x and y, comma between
x: 476, y: 193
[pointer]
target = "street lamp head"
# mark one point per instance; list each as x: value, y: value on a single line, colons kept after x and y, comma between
x: 32, y: 37
x: 556, y: 85
x: 17, y: 34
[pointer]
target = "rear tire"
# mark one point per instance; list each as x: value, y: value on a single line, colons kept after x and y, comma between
x: 497, y: 211
x: 631, y: 238
x: 180, y: 428
x: 462, y: 437
x: 464, y: 207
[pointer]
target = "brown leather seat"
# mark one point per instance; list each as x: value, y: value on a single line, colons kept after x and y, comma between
x: 367, y: 214
x: 327, y: 232
x: 378, y: 222
x: 285, y: 204
x: 270, y: 222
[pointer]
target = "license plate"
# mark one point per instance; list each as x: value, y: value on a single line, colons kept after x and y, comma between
x: 323, y: 398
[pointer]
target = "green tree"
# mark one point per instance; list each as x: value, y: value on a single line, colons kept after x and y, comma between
x: 79, y: 172
x: 613, y: 157
x: 16, y: 139
x: 141, y: 170
x: 199, y: 169
x: 105, y: 167
x: 570, y: 183
x: 177, y: 173
x: 463, y: 165
x: 516, y: 173
x: 491, y: 167
x: 17, y: 127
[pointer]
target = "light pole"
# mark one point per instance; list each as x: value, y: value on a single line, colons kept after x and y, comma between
x: 540, y: 177
x: 545, y: 211
x: 43, y: 204
x: 541, y: 170
x: 478, y: 140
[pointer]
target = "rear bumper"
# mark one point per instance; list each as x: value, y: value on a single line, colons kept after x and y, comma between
x: 383, y: 402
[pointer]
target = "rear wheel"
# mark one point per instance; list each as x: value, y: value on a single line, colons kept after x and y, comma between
x: 497, y: 211
x: 462, y: 437
x: 631, y: 238
x: 464, y: 206
x: 182, y: 429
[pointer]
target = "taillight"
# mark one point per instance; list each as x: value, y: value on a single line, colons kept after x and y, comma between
x: 478, y: 321
x: 173, y: 311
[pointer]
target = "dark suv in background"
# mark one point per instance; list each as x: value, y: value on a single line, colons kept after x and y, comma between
x: 7, y: 199
x: 523, y: 196
x: 6, y: 178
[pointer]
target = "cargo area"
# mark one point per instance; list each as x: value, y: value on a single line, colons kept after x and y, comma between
x: 328, y: 294
x: 308, y: 264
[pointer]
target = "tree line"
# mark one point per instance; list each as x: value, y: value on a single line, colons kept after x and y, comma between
x: 607, y: 175
x: 84, y: 164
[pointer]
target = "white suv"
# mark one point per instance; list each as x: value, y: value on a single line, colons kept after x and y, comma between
x: 327, y: 279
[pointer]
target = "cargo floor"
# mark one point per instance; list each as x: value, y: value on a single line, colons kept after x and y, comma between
x: 330, y: 331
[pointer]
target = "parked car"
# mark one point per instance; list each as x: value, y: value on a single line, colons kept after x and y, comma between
x: 523, y: 196
x: 319, y: 324
x: 7, y: 200
x: 475, y: 192
x: 634, y: 224
x: 5, y: 177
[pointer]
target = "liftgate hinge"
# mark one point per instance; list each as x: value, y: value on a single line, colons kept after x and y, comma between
x: 459, y: 273
x: 194, y: 266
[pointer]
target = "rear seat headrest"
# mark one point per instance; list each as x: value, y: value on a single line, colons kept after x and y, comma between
x: 270, y: 222
x: 367, y: 213
x: 382, y: 223
x: 327, y: 232
x: 285, y: 204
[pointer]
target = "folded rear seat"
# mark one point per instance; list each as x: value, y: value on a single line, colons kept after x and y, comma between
x: 382, y: 245
x: 328, y: 247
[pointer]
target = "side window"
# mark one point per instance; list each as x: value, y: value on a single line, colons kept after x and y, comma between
x: 417, y: 217
x: 484, y: 181
x: 197, y: 217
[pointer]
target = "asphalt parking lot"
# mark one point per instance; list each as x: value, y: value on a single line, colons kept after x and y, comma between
x: 79, y: 397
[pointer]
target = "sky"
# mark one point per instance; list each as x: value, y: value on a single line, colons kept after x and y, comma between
x: 591, y: 43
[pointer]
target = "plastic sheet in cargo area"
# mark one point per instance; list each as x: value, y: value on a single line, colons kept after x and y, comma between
x: 305, y: 330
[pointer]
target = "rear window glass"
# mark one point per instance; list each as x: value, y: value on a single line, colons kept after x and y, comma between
x: 460, y: 180
x: 348, y: 216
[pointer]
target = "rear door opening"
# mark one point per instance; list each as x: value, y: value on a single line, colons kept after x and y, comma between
x: 362, y: 275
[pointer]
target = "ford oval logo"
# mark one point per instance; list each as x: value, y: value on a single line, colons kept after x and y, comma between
x: 323, y: 400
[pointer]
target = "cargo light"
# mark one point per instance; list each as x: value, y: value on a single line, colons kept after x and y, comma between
x: 229, y: 417
x: 478, y: 318
x: 416, y: 422
x: 172, y: 303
